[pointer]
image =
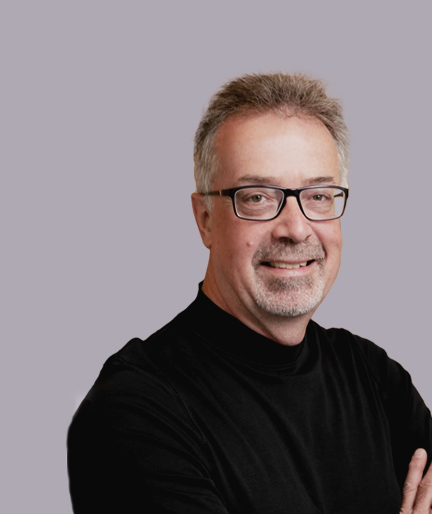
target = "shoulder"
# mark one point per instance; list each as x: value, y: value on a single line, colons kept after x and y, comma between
x: 134, y: 426
x: 341, y: 339
x: 150, y: 358
x: 138, y: 380
x: 389, y: 375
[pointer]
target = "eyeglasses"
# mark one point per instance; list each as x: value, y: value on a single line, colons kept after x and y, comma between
x: 265, y: 203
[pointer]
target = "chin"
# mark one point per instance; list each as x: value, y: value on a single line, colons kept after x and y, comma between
x: 289, y: 298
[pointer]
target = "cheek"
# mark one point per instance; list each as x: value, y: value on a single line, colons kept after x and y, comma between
x: 239, y: 253
x: 236, y: 241
x: 332, y: 241
x: 247, y: 243
x: 243, y: 248
x: 233, y: 247
x: 236, y: 235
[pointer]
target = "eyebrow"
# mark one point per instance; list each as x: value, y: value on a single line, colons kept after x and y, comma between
x: 259, y: 179
x: 256, y: 179
x: 320, y: 180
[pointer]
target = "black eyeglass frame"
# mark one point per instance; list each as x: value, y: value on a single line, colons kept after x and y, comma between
x: 287, y: 192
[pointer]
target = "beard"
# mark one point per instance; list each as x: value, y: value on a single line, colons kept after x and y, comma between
x: 292, y: 296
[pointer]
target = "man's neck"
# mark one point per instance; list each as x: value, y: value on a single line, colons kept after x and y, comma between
x: 285, y: 330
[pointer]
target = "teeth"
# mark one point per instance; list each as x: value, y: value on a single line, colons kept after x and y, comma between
x: 287, y: 266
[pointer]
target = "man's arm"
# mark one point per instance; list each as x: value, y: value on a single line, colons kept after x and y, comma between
x: 417, y: 491
x: 410, y: 421
x: 132, y: 448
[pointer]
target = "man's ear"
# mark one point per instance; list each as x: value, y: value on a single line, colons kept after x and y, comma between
x: 202, y: 218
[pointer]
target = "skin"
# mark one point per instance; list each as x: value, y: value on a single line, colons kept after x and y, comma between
x: 287, y: 152
x: 417, y: 491
x: 279, y: 151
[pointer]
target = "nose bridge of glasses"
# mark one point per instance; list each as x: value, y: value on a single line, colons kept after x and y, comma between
x: 290, y: 222
x: 290, y: 192
x: 287, y: 193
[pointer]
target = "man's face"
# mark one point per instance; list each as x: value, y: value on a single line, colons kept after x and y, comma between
x: 254, y: 265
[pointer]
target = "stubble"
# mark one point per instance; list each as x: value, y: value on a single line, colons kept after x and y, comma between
x: 294, y: 296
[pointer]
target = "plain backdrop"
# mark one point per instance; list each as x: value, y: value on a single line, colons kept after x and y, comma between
x: 99, y: 104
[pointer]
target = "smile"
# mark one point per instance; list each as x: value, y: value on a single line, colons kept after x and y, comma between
x: 286, y: 265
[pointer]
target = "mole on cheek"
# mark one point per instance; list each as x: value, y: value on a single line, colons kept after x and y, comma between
x: 249, y: 243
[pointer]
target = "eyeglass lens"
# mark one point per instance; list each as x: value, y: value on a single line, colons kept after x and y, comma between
x: 263, y: 203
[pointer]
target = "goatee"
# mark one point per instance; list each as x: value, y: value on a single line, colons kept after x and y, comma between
x: 292, y: 296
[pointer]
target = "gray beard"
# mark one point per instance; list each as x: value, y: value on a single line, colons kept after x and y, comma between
x: 289, y: 297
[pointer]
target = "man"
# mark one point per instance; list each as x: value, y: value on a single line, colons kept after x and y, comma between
x: 242, y: 404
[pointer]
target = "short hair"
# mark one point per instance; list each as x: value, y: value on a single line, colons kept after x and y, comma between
x: 256, y: 94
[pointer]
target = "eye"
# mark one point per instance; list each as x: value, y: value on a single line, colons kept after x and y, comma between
x: 256, y: 198
x: 318, y: 198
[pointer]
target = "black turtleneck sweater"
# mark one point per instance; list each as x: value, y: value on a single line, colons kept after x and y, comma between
x: 209, y: 417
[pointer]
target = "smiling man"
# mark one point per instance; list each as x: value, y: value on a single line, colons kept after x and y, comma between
x: 273, y: 270
x: 242, y: 404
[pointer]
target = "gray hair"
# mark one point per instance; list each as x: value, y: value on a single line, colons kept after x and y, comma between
x: 255, y: 94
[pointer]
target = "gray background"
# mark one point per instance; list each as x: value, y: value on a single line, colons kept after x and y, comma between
x: 99, y: 104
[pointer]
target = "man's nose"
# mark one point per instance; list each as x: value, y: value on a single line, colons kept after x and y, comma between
x: 291, y: 223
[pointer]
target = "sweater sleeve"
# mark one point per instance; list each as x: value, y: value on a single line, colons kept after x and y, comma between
x: 132, y: 447
x: 410, y: 421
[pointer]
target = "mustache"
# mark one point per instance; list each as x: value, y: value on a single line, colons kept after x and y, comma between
x: 287, y: 251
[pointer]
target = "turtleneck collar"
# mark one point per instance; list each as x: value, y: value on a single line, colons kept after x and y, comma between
x: 230, y: 335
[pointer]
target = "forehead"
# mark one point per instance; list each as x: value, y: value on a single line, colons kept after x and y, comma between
x: 276, y: 149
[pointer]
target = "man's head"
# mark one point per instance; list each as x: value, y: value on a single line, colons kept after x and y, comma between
x: 265, y: 271
x: 255, y: 94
